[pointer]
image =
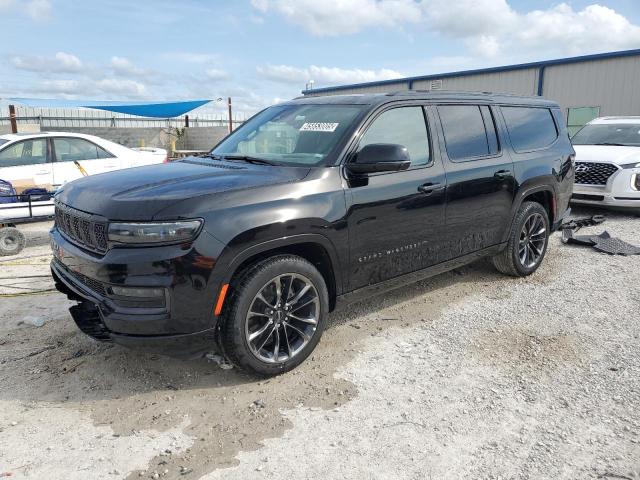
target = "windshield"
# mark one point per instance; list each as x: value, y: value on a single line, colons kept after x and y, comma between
x: 295, y: 135
x: 2, y: 142
x: 627, y: 134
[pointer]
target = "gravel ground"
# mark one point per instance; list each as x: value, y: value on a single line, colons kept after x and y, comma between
x: 467, y: 375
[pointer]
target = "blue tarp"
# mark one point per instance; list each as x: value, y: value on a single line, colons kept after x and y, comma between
x: 142, y: 109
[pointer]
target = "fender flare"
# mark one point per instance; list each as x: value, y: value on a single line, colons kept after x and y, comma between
x: 522, y: 194
x: 276, y: 243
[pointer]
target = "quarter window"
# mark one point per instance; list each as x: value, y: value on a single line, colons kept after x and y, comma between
x: 469, y: 131
x: 402, y: 126
x: 72, y: 149
x: 27, y: 152
x: 530, y: 128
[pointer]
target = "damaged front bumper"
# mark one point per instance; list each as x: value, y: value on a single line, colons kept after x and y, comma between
x: 88, y: 315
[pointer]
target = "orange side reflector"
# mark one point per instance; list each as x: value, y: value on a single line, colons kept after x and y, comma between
x: 223, y: 293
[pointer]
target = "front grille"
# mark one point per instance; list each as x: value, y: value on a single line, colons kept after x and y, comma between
x: 81, y: 228
x: 591, y: 173
x: 93, y: 285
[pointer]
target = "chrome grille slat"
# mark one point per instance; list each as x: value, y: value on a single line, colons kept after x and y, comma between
x: 81, y: 228
x: 594, y: 173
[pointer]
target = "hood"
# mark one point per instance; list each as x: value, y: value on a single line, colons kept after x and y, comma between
x: 139, y: 193
x: 607, y: 153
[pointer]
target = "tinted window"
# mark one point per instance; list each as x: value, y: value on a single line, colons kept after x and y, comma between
x: 28, y: 152
x: 530, y: 128
x: 403, y: 126
x: 72, y: 149
x: 465, y: 133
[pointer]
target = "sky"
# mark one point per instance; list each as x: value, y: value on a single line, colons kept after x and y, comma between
x: 261, y: 52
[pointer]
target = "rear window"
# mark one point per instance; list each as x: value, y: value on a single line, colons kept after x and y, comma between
x: 530, y: 128
x: 469, y: 131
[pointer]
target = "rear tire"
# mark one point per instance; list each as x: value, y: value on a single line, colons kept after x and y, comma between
x: 12, y: 241
x: 528, y: 242
x: 276, y: 315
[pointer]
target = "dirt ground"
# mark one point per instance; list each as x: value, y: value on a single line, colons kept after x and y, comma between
x: 467, y: 375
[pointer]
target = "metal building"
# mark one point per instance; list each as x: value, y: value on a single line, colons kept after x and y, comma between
x: 586, y: 87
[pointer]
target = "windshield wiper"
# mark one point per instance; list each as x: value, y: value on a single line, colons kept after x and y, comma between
x: 249, y: 159
x: 210, y: 155
x: 611, y: 144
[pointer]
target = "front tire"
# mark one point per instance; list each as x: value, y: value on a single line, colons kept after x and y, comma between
x: 276, y: 316
x: 527, y: 244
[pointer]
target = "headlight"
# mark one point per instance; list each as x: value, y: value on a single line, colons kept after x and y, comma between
x: 631, y: 165
x: 154, y: 232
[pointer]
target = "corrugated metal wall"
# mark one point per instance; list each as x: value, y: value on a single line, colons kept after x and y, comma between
x: 521, y: 82
x: 612, y: 84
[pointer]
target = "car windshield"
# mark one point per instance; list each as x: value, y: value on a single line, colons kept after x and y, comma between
x: 2, y: 142
x: 292, y: 135
x: 626, y: 134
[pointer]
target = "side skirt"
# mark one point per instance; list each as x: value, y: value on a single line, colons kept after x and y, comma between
x: 408, y: 278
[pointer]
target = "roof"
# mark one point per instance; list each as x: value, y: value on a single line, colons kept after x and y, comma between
x: 142, y: 109
x: 463, y: 73
x: 436, y: 95
x: 27, y: 136
x: 618, y: 120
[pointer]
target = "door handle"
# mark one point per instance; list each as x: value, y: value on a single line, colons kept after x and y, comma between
x: 501, y: 174
x: 429, y: 188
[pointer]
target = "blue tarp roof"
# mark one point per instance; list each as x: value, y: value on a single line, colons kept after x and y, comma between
x: 142, y: 109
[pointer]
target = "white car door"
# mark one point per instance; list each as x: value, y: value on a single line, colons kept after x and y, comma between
x: 77, y: 157
x: 26, y: 164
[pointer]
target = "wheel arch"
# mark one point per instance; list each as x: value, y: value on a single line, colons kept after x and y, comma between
x: 545, y: 195
x: 315, y: 248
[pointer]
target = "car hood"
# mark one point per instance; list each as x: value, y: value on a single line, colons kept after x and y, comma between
x: 607, y: 153
x: 140, y: 193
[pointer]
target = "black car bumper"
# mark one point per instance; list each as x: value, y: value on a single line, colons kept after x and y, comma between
x: 178, y: 323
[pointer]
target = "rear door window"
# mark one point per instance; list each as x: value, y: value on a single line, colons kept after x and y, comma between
x: 469, y: 131
x: 530, y: 128
x: 73, y: 149
x: 27, y: 152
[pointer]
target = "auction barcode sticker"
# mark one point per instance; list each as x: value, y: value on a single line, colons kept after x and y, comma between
x: 319, y: 127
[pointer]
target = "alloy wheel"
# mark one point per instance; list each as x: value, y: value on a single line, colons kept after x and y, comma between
x: 533, y: 239
x: 282, y: 318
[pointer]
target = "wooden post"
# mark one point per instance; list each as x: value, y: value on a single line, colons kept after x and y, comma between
x: 230, y: 117
x: 12, y: 119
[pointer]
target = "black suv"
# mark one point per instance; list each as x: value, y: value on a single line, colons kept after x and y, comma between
x: 309, y: 203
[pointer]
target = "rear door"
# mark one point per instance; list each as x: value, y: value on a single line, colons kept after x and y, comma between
x: 480, y: 178
x: 78, y: 157
x: 26, y: 164
x: 396, y: 219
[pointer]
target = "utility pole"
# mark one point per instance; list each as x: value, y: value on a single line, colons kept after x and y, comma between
x: 230, y: 117
x: 12, y: 119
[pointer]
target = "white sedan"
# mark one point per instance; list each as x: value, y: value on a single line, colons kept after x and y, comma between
x: 45, y: 161
x: 608, y: 163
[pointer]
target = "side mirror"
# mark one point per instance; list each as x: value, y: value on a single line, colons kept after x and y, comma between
x: 380, y: 157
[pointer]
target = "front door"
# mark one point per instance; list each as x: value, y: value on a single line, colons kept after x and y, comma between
x: 480, y: 178
x: 396, y: 219
x: 26, y: 165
